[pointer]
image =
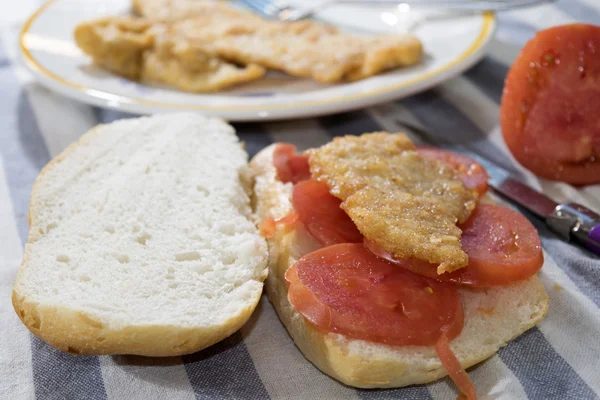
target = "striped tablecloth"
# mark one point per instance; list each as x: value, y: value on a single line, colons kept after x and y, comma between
x: 560, y: 359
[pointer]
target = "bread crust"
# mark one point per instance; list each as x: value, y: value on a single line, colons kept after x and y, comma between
x: 370, y: 365
x: 78, y: 332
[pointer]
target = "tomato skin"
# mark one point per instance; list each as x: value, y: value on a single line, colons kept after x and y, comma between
x: 291, y: 167
x: 473, y: 175
x: 502, y: 245
x: 551, y: 102
x: 321, y: 214
x: 345, y: 289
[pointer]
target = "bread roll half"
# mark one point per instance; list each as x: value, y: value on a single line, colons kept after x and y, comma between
x: 493, y: 316
x: 142, y: 240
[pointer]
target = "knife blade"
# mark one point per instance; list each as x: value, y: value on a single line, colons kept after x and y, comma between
x: 568, y: 220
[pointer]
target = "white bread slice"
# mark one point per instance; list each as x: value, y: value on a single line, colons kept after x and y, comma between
x: 492, y: 316
x: 142, y: 241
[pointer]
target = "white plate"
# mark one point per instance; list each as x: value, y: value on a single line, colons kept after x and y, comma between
x: 452, y: 44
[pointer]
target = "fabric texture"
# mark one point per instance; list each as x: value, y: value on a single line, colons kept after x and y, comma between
x: 559, y: 359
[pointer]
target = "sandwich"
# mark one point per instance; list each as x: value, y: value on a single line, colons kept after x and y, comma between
x: 388, y: 264
x: 142, y: 241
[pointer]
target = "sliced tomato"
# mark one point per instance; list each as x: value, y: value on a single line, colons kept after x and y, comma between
x: 502, y: 245
x: 346, y: 289
x: 473, y: 175
x: 321, y: 214
x: 268, y: 225
x: 451, y: 364
x: 551, y: 102
x: 291, y: 167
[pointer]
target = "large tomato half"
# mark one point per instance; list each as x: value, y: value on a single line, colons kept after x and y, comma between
x: 550, y: 111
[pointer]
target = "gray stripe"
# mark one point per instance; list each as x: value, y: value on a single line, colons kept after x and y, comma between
x: 22, y: 148
x: 254, y: 136
x: 62, y: 376
x: 224, y: 371
x: 489, y: 76
x: 543, y: 373
x: 4, y: 61
x: 56, y: 375
x: 418, y: 392
x: 352, y: 123
x: 579, y: 11
x: 443, y: 119
x: 107, y: 115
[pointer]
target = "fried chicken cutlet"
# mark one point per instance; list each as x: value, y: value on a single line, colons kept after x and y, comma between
x: 407, y: 204
x: 140, y: 50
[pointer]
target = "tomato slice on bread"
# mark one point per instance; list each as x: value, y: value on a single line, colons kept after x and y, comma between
x: 291, y: 167
x: 502, y: 245
x: 551, y: 103
x: 346, y: 289
x: 321, y: 214
x: 473, y: 175
x: 268, y: 225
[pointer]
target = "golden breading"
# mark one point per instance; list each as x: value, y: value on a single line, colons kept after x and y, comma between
x: 407, y: 204
x: 140, y: 50
x: 190, y: 68
x: 303, y: 48
x: 116, y: 43
x: 171, y: 10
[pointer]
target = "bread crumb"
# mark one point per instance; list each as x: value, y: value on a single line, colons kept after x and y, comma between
x: 429, y: 290
x: 557, y: 287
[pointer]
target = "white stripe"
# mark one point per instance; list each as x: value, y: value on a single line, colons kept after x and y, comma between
x: 484, y: 113
x: 15, y: 351
x: 275, y: 356
x: 497, y: 381
x: 591, y: 3
x: 541, y: 17
x: 492, y: 380
x: 132, y: 377
x: 60, y: 120
x: 572, y: 324
x: 304, y: 134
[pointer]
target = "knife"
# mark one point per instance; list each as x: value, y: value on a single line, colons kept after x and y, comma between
x: 570, y: 221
